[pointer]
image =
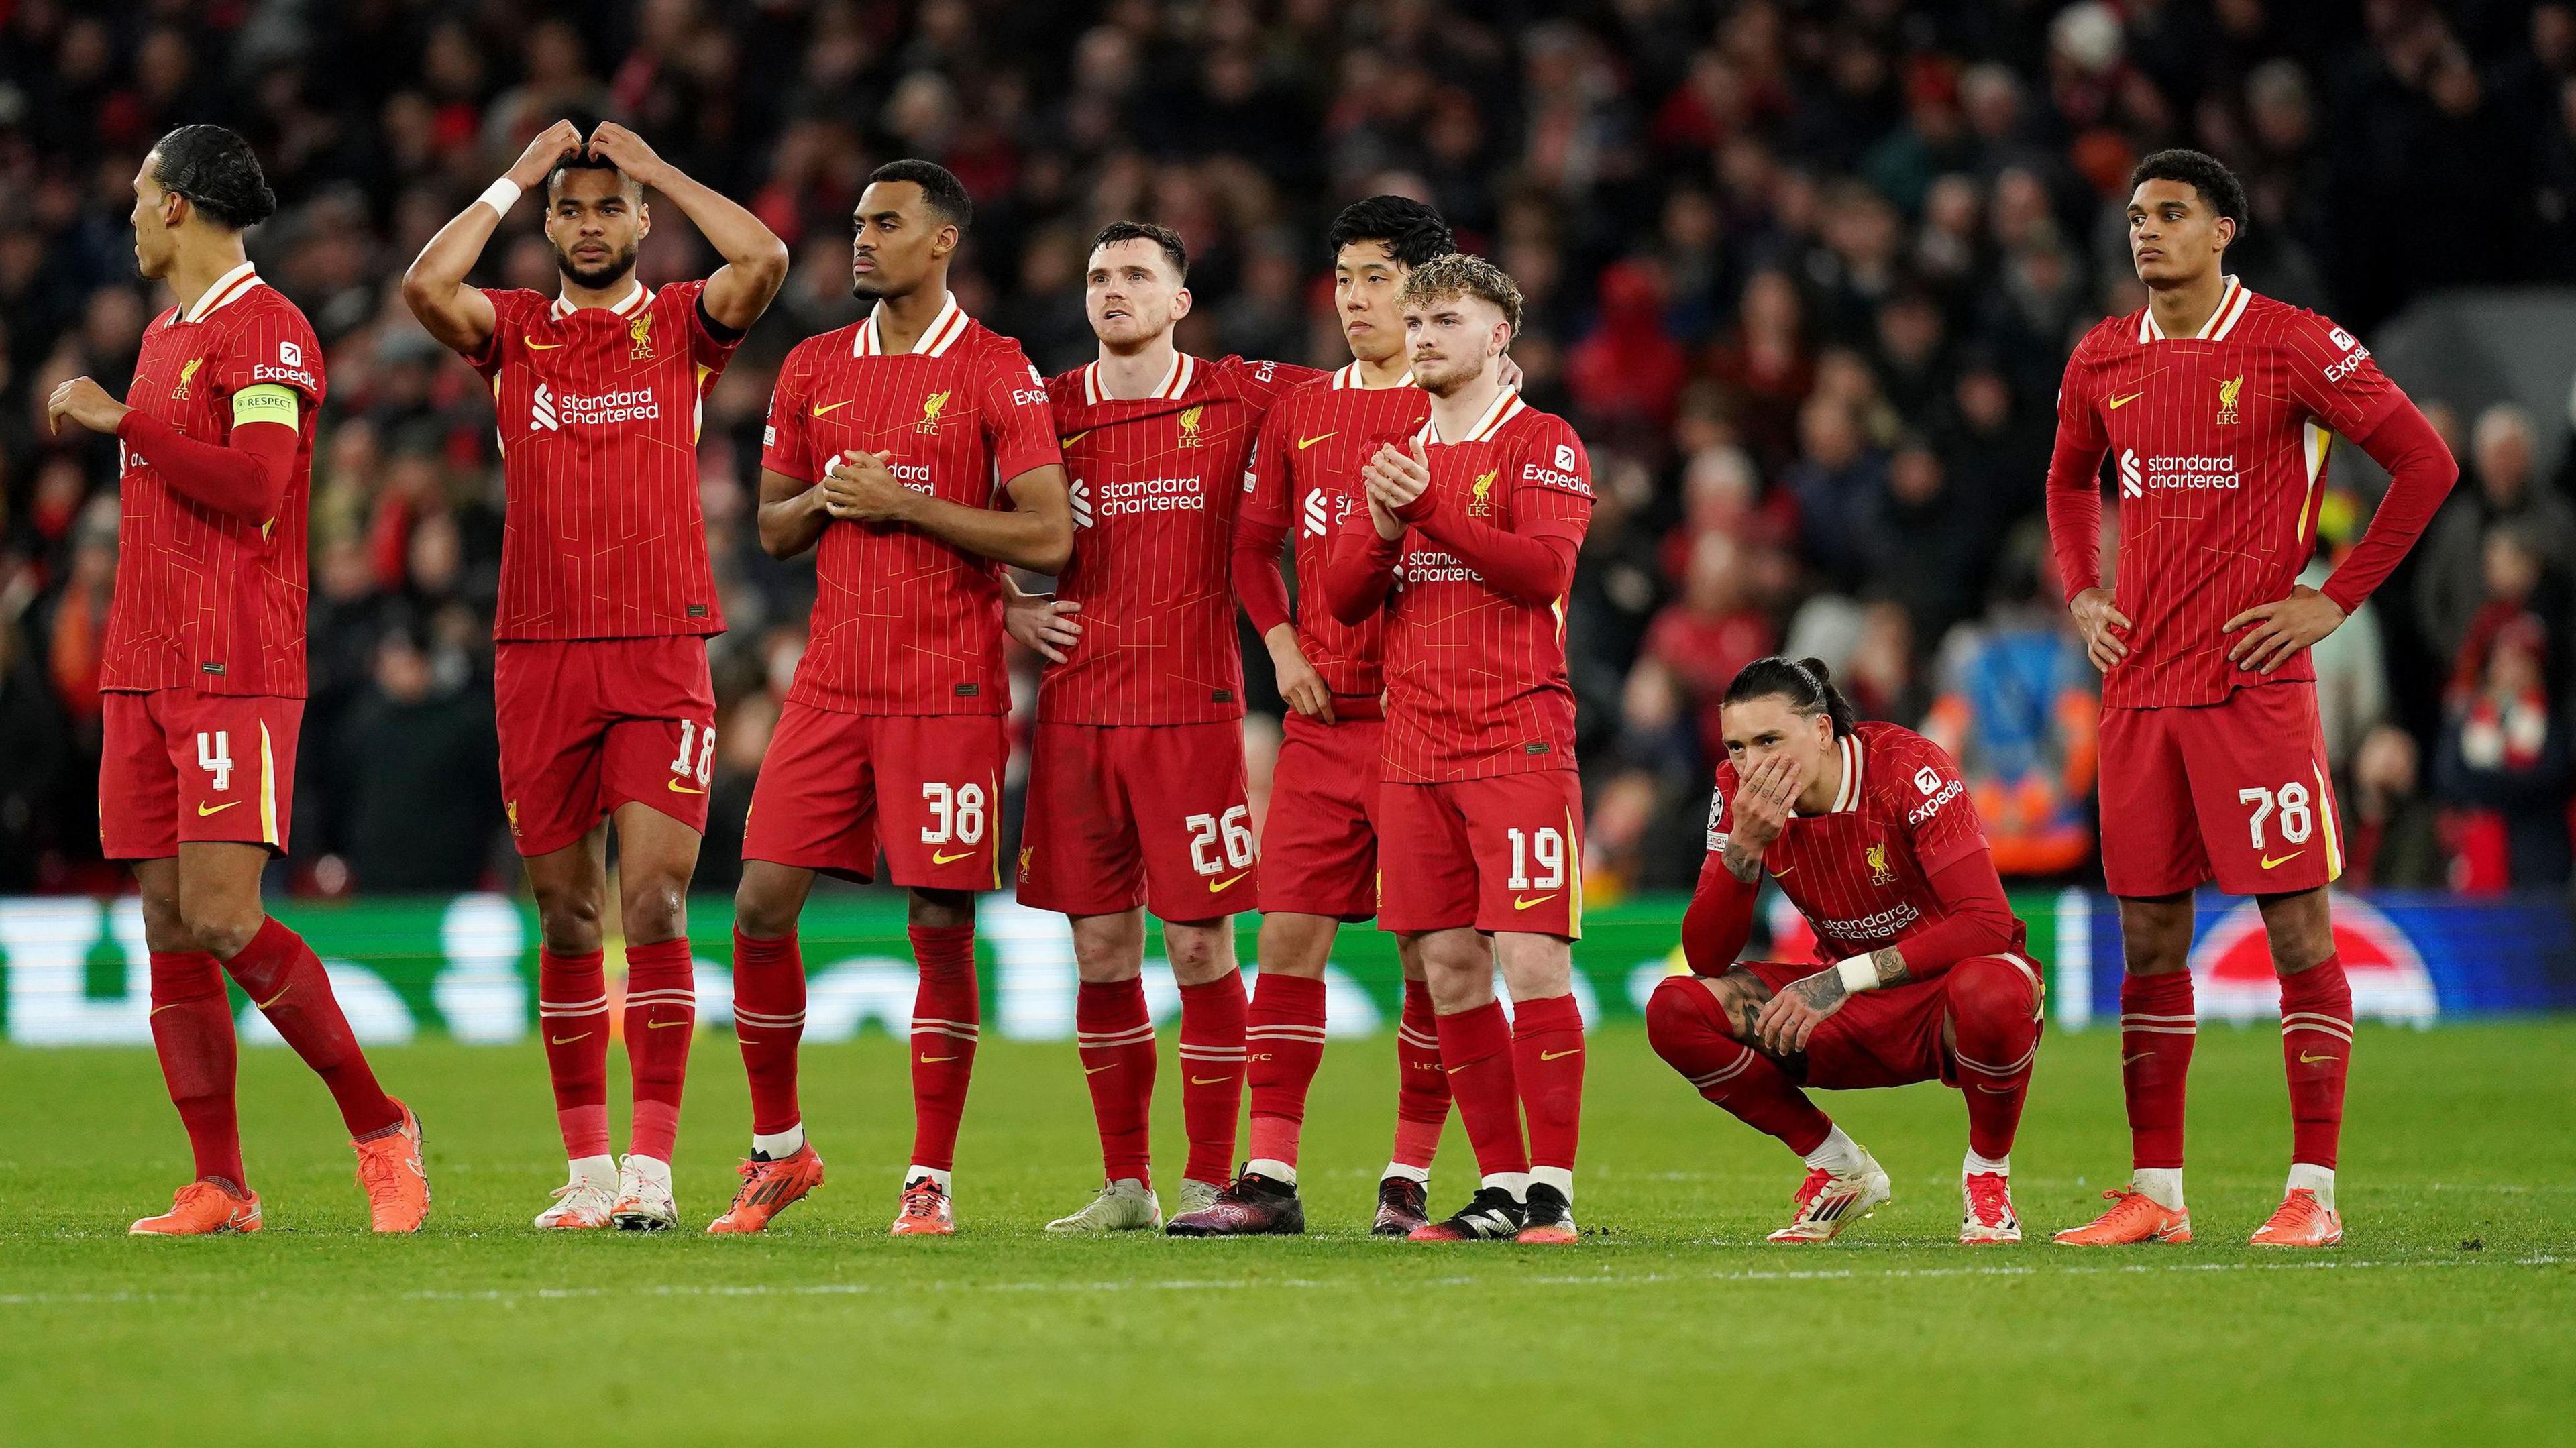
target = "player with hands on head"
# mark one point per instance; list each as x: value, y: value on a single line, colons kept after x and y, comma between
x: 1920, y: 974
x: 2219, y: 408
x: 202, y: 675
x: 605, y: 707
x: 914, y: 452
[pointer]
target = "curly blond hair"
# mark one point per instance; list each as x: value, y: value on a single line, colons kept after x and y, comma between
x: 1460, y: 274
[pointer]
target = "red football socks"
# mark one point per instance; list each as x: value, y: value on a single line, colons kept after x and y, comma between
x: 1421, y: 1085
x: 2316, y: 1051
x: 192, y: 1033
x: 2157, y: 1028
x: 1547, y: 1062
x: 285, y: 979
x: 1994, y: 1018
x: 946, y: 1022
x: 572, y: 1014
x: 1285, y: 1035
x: 661, y: 1016
x: 1688, y: 1029
x: 1115, y: 1037
x: 769, y: 1025
x: 1212, y: 1066
x: 1476, y: 1047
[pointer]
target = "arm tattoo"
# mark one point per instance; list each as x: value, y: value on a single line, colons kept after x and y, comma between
x: 1822, y: 991
x: 1890, y: 963
x: 1743, y: 864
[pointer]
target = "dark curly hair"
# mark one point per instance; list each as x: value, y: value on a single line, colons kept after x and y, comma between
x: 218, y: 173
x: 2201, y: 172
x: 1411, y: 232
x: 939, y: 186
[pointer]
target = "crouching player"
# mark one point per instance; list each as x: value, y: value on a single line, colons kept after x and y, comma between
x: 1870, y: 833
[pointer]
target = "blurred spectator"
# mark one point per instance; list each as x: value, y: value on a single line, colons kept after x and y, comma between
x: 2504, y: 770
x: 2451, y: 579
x: 2396, y: 840
x: 1710, y: 633
x: 409, y: 741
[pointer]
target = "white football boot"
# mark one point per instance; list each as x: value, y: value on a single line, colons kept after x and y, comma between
x: 1125, y: 1205
x: 643, y: 1201
x: 582, y: 1204
x: 1828, y: 1203
x: 1987, y: 1210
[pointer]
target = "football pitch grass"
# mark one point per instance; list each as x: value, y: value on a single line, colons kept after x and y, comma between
x: 2449, y: 1312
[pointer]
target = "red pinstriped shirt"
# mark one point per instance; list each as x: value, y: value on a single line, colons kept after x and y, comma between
x: 1156, y: 482
x: 205, y: 601
x: 598, y: 411
x: 1862, y: 871
x: 1305, y: 475
x: 2220, y: 441
x: 903, y: 623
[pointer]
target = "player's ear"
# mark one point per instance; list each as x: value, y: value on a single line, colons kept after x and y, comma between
x: 945, y: 242
x: 2226, y: 229
x: 1180, y: 304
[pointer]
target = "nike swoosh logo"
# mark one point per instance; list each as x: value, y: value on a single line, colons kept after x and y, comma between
x: 1785, y: 869
x: 1227, y: 884
x: 1096, y: 1070
x: 536, y: 346
x: 566, y: 1040
x: 679, y: 788
x: 1209, y: 1080
x: 1304, y: 443
x: 831, y: 407
x: 272, y: 1000
x: 2307, y: 1060
x: 946, y: 859
x: 2269, y: 862
x: 204, y: 810
x: 1520, y: 904
x: 2133, y: 1060
x: 1996, y: 1090
x: 1553, y: 1055
x: 1076, y: 437
x: 156, y: 1010
x: 2119, y: 402
x: 662, y: 1025
x: 1454, y: 1070
x: 935, y: 1060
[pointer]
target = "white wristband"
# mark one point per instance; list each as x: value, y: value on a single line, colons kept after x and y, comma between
x: 501, y: 195
x: 1858, y: 973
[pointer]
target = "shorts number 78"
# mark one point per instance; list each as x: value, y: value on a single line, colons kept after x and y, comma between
x: 2290, y: 800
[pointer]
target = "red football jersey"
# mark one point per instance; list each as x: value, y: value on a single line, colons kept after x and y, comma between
x: 1862, y: 871
x: 2220, y: 441
x: 1475, y: 679
x: 903, y: 623
x: 1155, y: 484
x: 206, y: 601
x: 599, y: 410
x: 1305, y: 475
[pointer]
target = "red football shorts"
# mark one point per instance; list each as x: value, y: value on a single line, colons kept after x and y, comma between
x: 1886, y: 1037
x: 1122, y: 815
x: 176, y: 766
x: 927, y: 788
x: 1504, y: 853
x: 591, y: 724
x: 1319, y: 843
x: 2237, y: 791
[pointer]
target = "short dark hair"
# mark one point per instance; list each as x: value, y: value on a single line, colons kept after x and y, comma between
x: 1806, y: 683
x: 1411, y: 232
x: 582, y: 160
x: 2201, y: 172
x: 1459, y: 274
x: 939, y: 186
x: 1163, y: 236
x: 219, y: 174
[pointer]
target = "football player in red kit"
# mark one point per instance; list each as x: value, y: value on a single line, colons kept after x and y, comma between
x: 2220, y: 406
x: 201, y: 675
x: 1319, y: 857
x: 1137, y: 794
x: 600, y: 669
x: 1869, y: 831
x: 913, y: 451
x: 1468, y: 543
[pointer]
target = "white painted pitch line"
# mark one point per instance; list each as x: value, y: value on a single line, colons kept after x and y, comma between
x: 510, y: 1295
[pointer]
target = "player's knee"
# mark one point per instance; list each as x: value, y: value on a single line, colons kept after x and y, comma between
x: 655, y: 910
x: 1681, y: 1015
x: 1199, y: 952
x: 223, y: 932
x: 1990, y: 992
x: 762, y: 915
x: 568, y: 916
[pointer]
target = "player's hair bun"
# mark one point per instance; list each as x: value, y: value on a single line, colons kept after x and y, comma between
x: 219, y: 174
x: 1807, y: 684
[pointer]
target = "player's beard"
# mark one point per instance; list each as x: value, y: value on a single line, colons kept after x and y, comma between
x: 603, y: 276
x: 1444, y: 375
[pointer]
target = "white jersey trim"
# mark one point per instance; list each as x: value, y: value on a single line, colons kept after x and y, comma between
x: 1348, y: 379
x: 231, y: 287
x: 2232, y: 300
x: 943, y: 332
x: 1176, y: 382
x: 625, y: 306
x: 1506, y: 406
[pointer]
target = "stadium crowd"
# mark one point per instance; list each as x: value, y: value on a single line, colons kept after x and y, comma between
x: 1805, y: 273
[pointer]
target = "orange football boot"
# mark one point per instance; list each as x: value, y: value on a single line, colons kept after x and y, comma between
x: 2301, y: 1221
x: 2134, y: 1217
x: 926, y: 1211
x: 768, y: 1188
x: 390, y: 1173
x: 201, y: 1209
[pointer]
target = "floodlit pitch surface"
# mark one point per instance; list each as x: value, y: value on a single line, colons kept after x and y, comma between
x: 2450, y: 1311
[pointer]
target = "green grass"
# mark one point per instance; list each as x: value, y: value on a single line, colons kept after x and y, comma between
x: 2448, y: 1312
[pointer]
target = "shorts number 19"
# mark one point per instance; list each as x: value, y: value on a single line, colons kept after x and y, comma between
x: 1548, y: 844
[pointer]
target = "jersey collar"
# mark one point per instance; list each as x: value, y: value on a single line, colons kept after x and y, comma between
x: 943, y: 332
x: 231, y: 287
x: 1847, y: 798
x: 632, y: 303
x: 2222, y: 320
x: 1348, y: 379
x: 1506, y: 406
x: 1176, y: 381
